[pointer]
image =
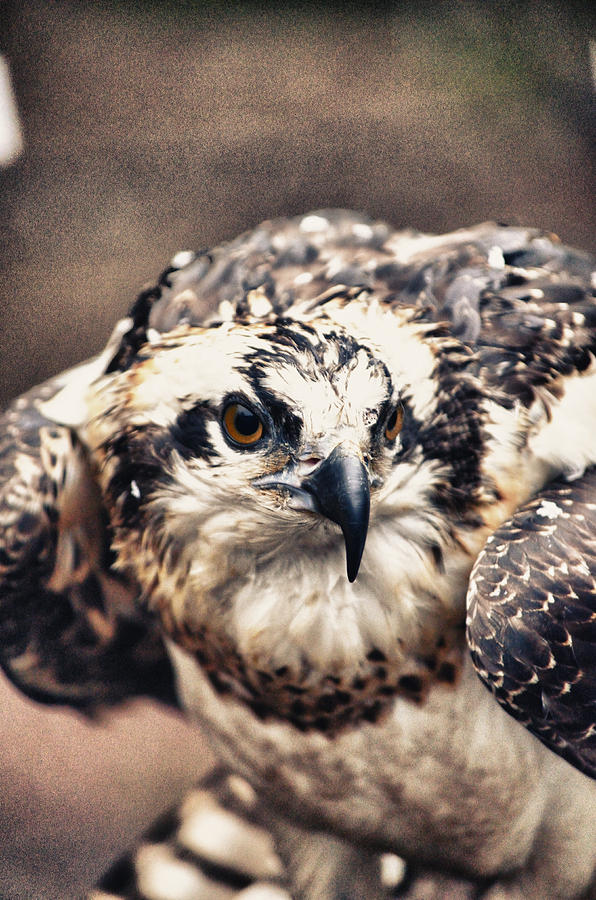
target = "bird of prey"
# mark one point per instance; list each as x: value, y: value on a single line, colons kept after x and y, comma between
x: 320, y: 479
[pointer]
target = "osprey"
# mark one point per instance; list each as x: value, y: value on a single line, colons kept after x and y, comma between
x: 301, y: 465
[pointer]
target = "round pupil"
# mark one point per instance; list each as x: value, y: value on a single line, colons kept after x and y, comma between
x: 245, y: 421
x: 392, y: 421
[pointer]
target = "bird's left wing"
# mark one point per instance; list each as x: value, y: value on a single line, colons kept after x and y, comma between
x: 70, y: 631
x: 532, y: 617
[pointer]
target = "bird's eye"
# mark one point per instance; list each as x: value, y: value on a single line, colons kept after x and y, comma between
x: 394, y: 423
x: 242, y: 425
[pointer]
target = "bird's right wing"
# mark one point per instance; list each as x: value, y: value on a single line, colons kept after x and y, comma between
x: 70, y: 631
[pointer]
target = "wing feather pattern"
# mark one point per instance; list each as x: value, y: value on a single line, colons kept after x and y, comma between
x: 483, y: 280
x: 69, y: 630
x: 532, y: 618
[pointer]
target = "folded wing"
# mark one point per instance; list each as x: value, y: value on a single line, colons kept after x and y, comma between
x: 532, y: 618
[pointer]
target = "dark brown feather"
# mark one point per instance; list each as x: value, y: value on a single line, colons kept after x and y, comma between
x: 69, y: 629
x: 532, y: 618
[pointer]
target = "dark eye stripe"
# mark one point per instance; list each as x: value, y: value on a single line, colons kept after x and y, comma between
x: 189, y: 434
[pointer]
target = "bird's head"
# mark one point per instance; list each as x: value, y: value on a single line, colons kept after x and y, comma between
x: 268, y: 456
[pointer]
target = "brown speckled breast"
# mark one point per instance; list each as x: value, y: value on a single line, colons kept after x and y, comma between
x: 316, y: 701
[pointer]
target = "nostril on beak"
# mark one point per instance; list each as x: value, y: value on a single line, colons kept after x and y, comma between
x: 309, y: 463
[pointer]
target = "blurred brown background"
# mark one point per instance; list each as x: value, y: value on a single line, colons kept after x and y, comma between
x: 152, y: 126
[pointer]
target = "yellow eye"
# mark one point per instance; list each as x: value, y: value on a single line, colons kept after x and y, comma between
x: 394, y: 423
x: 242, y: 425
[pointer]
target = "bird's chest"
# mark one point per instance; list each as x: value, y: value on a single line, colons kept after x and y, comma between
x: 449, y: 780
x: 296, y: 643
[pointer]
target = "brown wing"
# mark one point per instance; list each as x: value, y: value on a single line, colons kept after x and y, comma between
x: 532, y: 618
x: 508, y: 291
x: 69, y: 630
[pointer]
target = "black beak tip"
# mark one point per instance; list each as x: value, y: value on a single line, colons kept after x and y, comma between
x: 352, y: 571
x: 355, y: 539
x: 341, y: 491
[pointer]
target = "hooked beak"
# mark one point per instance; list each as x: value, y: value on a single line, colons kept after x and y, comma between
x: 339, y: 489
